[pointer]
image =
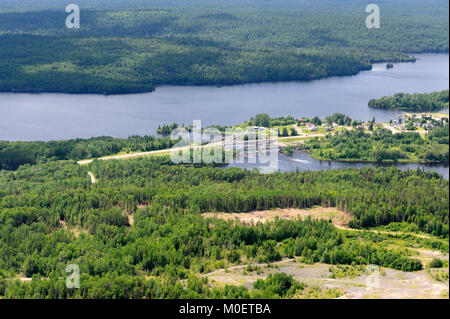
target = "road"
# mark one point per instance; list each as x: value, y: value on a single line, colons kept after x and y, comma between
x: 228, y: 141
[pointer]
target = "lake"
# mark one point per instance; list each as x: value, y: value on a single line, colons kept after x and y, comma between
x: 302, y: 161
x: 63, y: 116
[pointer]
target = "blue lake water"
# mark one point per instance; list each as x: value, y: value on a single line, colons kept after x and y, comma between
x: 64, y: 116
x: 304, y: 162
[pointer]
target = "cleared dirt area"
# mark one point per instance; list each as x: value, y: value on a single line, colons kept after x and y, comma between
x: 339, y: 218
x: 93, y: 179
x: 353, y: 283
x: 427, y: 255
x: 130, y: 219
x: 393, y: 284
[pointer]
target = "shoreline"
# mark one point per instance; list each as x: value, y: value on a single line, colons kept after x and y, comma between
x: 388, y: 162
x: 219, y: 85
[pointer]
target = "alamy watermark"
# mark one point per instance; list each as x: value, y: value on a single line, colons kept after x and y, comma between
x: 373, y: 20
x: 254, y: 145
x: 73, y: 19
x: 373, y: 279
x: 73, y: 279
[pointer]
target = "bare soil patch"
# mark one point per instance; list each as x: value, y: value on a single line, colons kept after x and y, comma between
x: 130, y: 219
x: 394, y: 284
x: 338, y: 217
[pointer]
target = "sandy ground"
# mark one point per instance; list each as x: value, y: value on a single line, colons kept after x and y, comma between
x: 339, y: 218
x: 393, y: 284
x: 130, y: 219
x: 93, y: 179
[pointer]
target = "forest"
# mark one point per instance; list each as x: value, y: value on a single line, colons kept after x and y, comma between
x: 134, y: 49
x: 382, y: 145
x: 51, y: 215
x: 15, y: 154
x: 423, y: 102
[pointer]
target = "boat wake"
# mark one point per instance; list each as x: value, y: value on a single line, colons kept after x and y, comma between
x: 300, y: 161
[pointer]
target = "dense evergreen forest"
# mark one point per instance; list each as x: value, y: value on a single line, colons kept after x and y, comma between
x: 382, y: 145
x: 51, y: 215
x: 434, y: 101
x: 15, y: 154
x: 126, y: 50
